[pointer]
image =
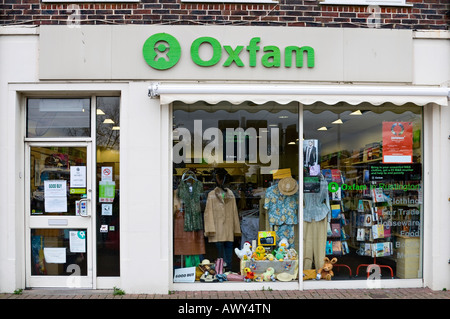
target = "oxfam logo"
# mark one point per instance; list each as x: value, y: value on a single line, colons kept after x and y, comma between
x: 333, y: 187
x: 161, y: 51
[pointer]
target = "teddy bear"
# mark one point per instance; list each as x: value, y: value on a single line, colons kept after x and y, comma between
x: 326, y: 272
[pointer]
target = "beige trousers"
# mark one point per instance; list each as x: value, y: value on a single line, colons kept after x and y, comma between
x: 314, y: 243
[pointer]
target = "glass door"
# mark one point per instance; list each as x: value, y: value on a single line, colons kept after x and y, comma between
x: 59, y: 249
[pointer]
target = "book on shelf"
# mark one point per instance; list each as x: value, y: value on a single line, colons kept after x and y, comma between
x: 337, y: 247
x: 360, y: 234
x: 329, y: 247
x: 345, y: 248
x: 335, y: 210
x: 336, y: 176
x: 378, y: 231
x: 378, y: 195
x: 382, y: 249
x: 335, y: 230
x: 367, y: 220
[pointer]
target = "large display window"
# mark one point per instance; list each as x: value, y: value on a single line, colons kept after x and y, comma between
x: 367, y: 165
x: 235, y: 195
x: 236, y: 209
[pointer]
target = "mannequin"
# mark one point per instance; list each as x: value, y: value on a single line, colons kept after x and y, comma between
x: 221, y: 219
x: 282, y: 208
x: 316, y: 215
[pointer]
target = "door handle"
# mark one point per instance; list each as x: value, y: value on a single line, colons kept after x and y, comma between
x: 84, y: 207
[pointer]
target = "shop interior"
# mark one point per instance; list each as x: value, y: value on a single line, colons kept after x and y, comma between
x: 370, y: 217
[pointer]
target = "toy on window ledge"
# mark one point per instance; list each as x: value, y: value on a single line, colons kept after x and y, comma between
x: 244, y: 253
x: 326, y: 271
x: 249, y: 275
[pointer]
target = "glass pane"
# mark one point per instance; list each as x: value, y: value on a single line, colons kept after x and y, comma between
x: 108, y: 173
x: 227, y: 187
x: 370, y: 159
x: 58, y: 117
x: 58, y: 252
x: 58, y: 180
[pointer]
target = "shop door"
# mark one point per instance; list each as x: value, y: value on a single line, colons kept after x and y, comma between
x: 59, y: 210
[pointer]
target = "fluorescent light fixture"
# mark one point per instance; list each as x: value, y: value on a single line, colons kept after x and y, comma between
x: 291, y: 143
x: 357, y: 112
x: 283, y: 117
x: 100, y: 112
x: 108, y: 121
x: 116, y: 128
x: 323, y: 128
x: 338, y: 121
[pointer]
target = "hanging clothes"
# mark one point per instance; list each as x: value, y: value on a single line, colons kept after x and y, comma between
x: 282, y: 212
x: 185, y: 242
x: 221, y: 216
x: 189, y: 192
x: 317, y: 205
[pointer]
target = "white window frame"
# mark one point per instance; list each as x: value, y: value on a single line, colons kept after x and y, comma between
x: 390, y: 3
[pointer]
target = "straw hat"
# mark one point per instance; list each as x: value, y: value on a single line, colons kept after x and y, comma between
x: 288, y: 186
x: 284, y: 276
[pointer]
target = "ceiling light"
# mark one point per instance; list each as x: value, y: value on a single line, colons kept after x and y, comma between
x: 100, y: 112
x: 291, y: 143
x: 338, y: 121
x: 323, y: 128
x: 116, y: 128
x: 283, y: 117
x: 357, y: 112
x: 108, y: 121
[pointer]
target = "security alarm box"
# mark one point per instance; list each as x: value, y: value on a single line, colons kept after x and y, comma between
x: 267, y: 238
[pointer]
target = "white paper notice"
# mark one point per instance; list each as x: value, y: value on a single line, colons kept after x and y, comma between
x: 55, y: 255
x: 77, y: 176
x: 55, y: 194
x: 77, y: 241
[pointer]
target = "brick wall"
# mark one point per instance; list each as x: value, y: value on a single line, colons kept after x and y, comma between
x: 424, y: 14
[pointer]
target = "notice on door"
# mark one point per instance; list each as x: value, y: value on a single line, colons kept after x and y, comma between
x: 77, y: 176
x: 55, y: 194
x: 106, y: 191
x: 397, y: 142
x: 77, y: 241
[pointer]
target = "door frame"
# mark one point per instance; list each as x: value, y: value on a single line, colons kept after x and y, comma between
x: 62, y: 222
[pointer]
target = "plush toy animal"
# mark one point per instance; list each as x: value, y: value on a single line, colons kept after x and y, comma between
x: 326, y: 272
x: 269, y: 274
x: 260, y: 253
x: 245, y: 252
x: 249, y: 275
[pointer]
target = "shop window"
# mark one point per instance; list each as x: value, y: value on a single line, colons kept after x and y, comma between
x: 368, y: 164
x: 235, y: 192
x: 58, y: 118
x: 108, y: 185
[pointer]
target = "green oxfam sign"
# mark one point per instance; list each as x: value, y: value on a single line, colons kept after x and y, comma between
x: 162, y: 51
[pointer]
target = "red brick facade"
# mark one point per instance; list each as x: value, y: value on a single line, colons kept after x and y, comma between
x: 424, y: 14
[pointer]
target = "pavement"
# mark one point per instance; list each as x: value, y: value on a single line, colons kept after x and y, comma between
x: 336, y: 294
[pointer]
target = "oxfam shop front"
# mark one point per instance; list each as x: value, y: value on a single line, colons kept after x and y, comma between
x: 282, y: 183
x: 284, y: 158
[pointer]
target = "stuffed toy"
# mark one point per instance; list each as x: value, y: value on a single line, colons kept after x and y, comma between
x: 269, y: 274
x: 259, y: 254
x: 326, y: 272
x: 249, y: 275
x: 280, y: 253
x: 244, y: 253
